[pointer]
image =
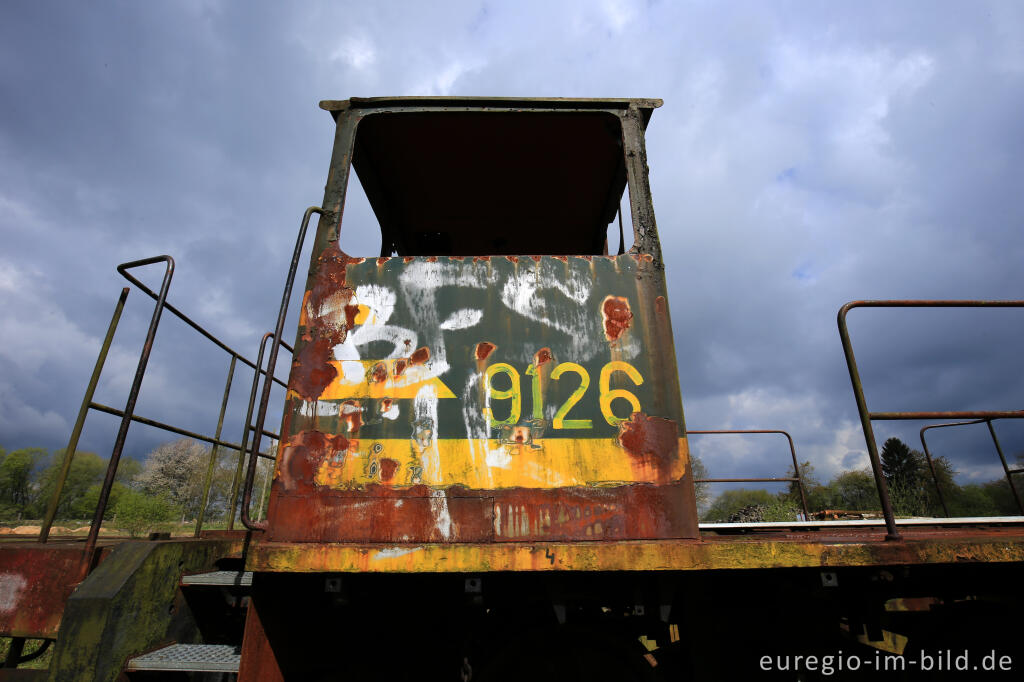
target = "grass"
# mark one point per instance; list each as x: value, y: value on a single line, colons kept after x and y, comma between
x: 31, y: 645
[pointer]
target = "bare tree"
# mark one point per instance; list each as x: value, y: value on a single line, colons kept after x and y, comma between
x: 176, y: 470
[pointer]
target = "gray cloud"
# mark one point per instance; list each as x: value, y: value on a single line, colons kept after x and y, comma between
x: 806, y: 155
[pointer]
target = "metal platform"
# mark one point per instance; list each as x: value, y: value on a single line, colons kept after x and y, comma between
x: 190, y: 658
x: 831, y: 545
x: 877, y: 523
x: 221, y: 578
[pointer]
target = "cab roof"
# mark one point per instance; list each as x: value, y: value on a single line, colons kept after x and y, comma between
x: 468, y: 176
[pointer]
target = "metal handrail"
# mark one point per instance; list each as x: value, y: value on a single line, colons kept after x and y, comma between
x: 792, y: 449
x: 195, y: 325
x: 127, y: 415
x: 1002, y: 458
x: 83, y: 411
x: 133, y: 396
x: 247, y: 428
x: 261, y: 417
x: 867, y: 417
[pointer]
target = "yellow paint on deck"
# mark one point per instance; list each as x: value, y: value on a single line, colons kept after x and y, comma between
x: 489, y: 464
x: 635, y: 555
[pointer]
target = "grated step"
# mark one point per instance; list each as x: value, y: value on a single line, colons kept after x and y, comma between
x: 228, y: 578
x: 211, y: 658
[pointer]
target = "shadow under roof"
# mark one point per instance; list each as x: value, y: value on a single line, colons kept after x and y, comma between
x: 472, y: 176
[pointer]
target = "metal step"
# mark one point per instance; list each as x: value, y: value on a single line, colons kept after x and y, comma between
x: 212, y: 658
x: 226, y: 578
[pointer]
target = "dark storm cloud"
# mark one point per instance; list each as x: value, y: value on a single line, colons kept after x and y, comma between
x: 807, y: 155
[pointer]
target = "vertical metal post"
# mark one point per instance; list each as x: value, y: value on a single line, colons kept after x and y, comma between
x: 799, y: 477
x: 83, y: 411
x: 14, y: 652
x: 1006, y: 469
x: 246, y: 428
x: 261, y: 415
x: 935, y: 477
x: 263, y: 490
x: 208, y: 481
x: 865, y: 421
x: 133, y: 396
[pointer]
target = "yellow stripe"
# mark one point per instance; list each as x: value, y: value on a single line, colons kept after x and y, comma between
x: 489, y: 464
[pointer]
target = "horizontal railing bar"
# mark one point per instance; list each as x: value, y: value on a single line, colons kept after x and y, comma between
x: 739, y: 431
x: 99, y: 407
x: 199, y: 328
x: 982, y: 415
x: 745, y: 480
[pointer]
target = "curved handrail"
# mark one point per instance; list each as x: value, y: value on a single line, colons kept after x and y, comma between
x: 792, y: 450
x: 261, y: 416
x: 858, y: 390
x: 133, y: 395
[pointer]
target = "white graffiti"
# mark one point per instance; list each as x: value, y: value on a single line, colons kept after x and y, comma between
x: 379, y: 302
x: 555, y: 294
x: 11, y: 587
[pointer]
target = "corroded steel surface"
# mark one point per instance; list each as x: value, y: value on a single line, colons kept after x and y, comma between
x: 768, y: 550
x: 501, y: 398
x: 35, y: 582
x: 484, y: 398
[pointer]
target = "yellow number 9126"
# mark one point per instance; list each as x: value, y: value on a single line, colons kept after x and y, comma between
x: 561, y: 420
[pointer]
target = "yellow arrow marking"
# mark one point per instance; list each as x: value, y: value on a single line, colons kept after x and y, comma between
x: 354, y: 380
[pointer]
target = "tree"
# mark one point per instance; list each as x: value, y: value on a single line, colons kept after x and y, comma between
x: 87, y: 470
x: 943, y: 478
x: 904, y: 471
x: 138, y: 512
x: 727, y: 504
x: 972, y: 500
x: 176, y: 470
x: 703, y: 490
x: 856, y: 491
x: 16, y: 480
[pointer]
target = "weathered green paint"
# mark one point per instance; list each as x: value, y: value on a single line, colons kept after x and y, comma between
x: 130, y: 604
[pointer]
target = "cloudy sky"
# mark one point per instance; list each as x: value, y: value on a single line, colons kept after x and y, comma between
x: 808, y: 154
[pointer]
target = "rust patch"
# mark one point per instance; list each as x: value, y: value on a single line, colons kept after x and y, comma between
x: 351, y: 312
x: 312, y: 371
x: 477, y: 259
x: 652, y: 443
x: 326, y: 306
x: 419, y: 356
x: 484, y: 349
x: 536, y: 258
x: 378, y: 373
x: 564, y: 259
x: 541, y: 357
x: 660, y: 305
x: 388, y: 467
x: 617, y: 316
x: 37, y: 581
x: 408, y: 259
x: 386, y: 404
x: 431, y: 259
x: 302, y: 456
x: 352, y: 415
x: 382, y: 260
x: 400, y: 366
x: 514, y: 259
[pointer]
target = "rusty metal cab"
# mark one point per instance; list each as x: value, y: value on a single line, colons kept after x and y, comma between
x: 494, y: 375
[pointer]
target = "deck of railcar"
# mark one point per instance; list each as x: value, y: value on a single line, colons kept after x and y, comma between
x: 721, y: 546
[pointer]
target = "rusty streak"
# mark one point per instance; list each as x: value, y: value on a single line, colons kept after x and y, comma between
x: 484, y: 349
x: 617, y: 316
